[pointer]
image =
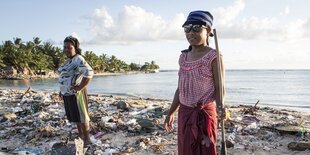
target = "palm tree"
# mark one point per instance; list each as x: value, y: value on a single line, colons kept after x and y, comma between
x: 12, y: 55
x: 37, y: 41
x: 154, y: 65
x: 149, y: 66
x: 92, y: 59
x: 114, y: 64
x: 26, y: 56
x: 2, y: 56
x: 134, y: 67
x: 103, y: 59
x: 146, y: 66
x: 55, y: 55
x: 124, y: 66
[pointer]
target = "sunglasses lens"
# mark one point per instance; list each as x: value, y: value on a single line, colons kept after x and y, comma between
x: 196, y: 28
x: 187, y: 28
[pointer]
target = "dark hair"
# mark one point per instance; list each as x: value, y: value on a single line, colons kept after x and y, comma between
x: 75, y: 43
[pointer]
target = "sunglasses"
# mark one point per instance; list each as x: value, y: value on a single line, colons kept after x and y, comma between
x: 195, y: 28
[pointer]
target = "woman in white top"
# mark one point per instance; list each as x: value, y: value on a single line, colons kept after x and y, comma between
x: 74, y: 76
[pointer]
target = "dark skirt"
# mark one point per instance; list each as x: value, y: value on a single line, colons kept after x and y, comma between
x: 193, y: 124
x: 76, y: 107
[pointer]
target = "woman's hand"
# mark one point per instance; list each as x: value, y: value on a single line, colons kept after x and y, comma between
x: 76, y: 88
x: 168, y: 124
x: 60, y: 97
x: 206, y: 141
x: 82, y: 85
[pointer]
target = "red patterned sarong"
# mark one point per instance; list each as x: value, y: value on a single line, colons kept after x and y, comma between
x: 193, y: 124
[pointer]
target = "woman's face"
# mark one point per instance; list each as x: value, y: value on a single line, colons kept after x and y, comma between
x: 69, y: 49
x: 196, y: 35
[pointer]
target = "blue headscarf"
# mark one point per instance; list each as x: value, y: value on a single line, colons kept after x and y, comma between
x: 199, y: 18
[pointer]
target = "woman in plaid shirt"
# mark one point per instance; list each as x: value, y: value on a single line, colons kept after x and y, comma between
x: 197, y: 94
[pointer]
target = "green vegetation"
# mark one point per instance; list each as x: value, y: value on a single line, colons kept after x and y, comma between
x: 36, y: 56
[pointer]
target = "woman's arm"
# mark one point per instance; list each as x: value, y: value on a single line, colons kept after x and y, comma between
x: 217, y: 83
x: 168, y: 124
x: 86, y: 71
x: 175, y: 103
x: 85, y: 81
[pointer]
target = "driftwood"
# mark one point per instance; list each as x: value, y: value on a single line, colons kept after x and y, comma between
x: 27, y: 91
x: 251, y: 110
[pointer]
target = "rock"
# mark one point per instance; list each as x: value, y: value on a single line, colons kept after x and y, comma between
x: 63, y: 149
x: 122, y: 105
x: 299, y: 146
x: 229, y: 143
x: 147, y: 124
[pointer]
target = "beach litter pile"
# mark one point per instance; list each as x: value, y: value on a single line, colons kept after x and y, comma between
x: 34, y: 122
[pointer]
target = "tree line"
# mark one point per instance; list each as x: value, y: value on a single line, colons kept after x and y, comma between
x: 36, y: 55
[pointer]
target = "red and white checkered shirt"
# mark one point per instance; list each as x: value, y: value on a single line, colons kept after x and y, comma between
x: 196, y: 82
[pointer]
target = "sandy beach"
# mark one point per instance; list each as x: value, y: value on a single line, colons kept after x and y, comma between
x: 34, y: 121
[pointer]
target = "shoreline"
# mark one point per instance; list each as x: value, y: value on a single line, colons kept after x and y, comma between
x: 23, y: 77
x: 128, y: 125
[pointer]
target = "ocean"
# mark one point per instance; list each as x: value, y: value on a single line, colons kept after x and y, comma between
x: 288, y: 89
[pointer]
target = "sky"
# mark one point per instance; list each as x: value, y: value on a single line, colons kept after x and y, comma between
x: 252, y: 34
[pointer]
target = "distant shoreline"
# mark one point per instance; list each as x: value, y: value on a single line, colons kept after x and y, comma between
x: 22, y: 77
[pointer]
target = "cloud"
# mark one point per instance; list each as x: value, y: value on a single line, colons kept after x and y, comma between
x: 133, y: 24
x: 287, y: 10
x: 226, y: 15
x: 231, y: 26
x: 252, y: 28
x: 306, y: 28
